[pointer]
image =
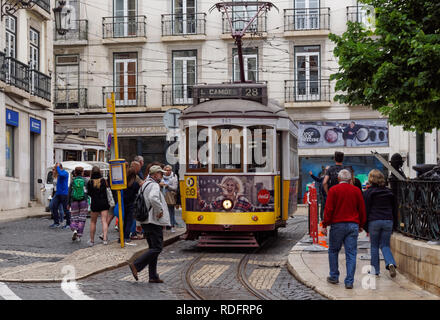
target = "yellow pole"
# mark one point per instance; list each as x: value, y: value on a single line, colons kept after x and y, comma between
x: 115, y: 138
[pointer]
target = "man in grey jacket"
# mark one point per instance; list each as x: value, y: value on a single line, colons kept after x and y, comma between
x: 158, y: 217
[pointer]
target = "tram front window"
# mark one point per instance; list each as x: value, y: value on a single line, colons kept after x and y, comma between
x: 197, y: 148
x: 228, y: 149
x: 260, y: 148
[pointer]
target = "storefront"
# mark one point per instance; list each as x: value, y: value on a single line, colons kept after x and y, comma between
x: 318, y: 140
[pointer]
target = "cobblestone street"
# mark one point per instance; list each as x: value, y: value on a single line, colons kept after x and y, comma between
x: 214, y: 275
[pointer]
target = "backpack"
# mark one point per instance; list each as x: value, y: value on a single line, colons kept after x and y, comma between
x: 78, y: 189
x: 140, y: 210
x: 333, y: 172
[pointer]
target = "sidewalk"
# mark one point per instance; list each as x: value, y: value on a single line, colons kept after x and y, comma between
x: 85, y: 261
x: 312, y: 269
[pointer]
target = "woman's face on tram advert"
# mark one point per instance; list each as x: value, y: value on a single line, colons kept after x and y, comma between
x: 231, y: 186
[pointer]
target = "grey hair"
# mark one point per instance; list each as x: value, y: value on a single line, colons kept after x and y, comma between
x: 344, y: 175
x: 168, y: 166
x: 138, y: 158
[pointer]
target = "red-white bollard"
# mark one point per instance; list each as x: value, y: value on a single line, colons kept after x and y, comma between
x: 313, y: 218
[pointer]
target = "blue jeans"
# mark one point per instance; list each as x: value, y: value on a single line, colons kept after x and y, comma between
x: 343, y: 233
x: 380, y: 234
x: 62, y: 200
x: 60, y: 209
x: 171, y: 210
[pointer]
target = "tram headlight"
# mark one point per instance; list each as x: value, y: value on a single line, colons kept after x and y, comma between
x: 227, y: 204
x: 255, y: 218
x: 200, y: 218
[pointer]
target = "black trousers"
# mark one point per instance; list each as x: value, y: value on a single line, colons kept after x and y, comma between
x: 154, y: 235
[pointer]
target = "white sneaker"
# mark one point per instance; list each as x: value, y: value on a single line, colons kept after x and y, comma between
x: 90, y: 243
x: 173, y: 230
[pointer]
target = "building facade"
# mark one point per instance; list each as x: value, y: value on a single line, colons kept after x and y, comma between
x: 151, y: 53
x: 26, y: 114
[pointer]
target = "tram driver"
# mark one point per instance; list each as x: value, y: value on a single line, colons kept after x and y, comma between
x: 232, y: 189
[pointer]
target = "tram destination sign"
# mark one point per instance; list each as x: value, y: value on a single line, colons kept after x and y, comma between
x: 251, y: 91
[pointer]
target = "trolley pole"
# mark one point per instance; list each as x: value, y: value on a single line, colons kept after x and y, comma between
x: 111, y: 107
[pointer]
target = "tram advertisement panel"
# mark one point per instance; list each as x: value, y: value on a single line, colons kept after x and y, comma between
x: 343, y: 133
x: 247, y: 193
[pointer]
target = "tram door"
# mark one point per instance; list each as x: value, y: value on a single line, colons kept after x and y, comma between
x: 279, y: 147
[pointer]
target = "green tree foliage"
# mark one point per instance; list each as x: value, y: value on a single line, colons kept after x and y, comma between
x: 394, y: 68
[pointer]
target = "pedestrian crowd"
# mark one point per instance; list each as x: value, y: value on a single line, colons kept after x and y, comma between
x: 72, y: 201
x: 348, y: 210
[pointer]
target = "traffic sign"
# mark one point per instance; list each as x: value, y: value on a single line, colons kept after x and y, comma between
x: 171, y: 118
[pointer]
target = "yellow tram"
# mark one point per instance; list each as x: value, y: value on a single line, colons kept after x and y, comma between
x: 238, y: 165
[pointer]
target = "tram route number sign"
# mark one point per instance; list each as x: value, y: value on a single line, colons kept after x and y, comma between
x: 191, y: 187
x: 231, y: 92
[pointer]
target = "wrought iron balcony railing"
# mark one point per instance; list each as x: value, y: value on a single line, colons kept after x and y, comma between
x: 126, y: 96
x: 183, y: 24
x: 70, y: 98
x: 3, y: 67
x: 307, y: 90
x: 240, y: 19
x: 419, y: 209
x: 40, y: 85
x: 362, y: 14
x: 78, y: 31
x: 17, y: 73
x: 124, y: 27
x: 75, y: 98
x: 177, y: 94
x: 307, y: 19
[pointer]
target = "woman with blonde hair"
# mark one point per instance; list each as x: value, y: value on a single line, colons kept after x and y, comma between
x: 381, y: 220
x: 97, y: 189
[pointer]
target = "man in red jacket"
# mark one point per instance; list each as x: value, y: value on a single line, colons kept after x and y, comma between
x: 345, y: 213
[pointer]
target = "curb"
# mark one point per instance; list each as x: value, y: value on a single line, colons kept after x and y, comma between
x: 167, y: 242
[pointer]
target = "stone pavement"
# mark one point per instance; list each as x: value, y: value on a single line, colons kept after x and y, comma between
x: 312, y: 269
x: 85, y: 261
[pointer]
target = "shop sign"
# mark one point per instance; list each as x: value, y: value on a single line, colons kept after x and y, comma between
x: 343, y: 133
x: 35, y: 125
x: 12, y: 118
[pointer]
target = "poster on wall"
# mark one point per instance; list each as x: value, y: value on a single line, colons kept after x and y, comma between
x: 246, y: 193
x: 362, y: 165
x: 343, y: 133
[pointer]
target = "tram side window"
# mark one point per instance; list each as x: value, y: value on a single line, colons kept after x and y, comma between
x: 197, y: 148
x: 260, y: 149
x: 228, y: 148
x: 294, y: 167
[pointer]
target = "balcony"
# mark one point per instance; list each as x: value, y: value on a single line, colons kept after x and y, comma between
x: 128, y: 29
x: 77, y: 34
x: 239, y: 21
x: 40, y: 85
x: 126, y: 96
x: 67, y: 99
x: 177, y: 95
x: 177, y: 27
x: 307, y: 93
x: 307, y: 22
x: 2, y: 66
x: 361, y: 14
x: 44, y: 4
x: 17, y: 73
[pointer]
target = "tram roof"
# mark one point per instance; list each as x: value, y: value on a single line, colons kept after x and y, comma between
x: 235, y: 108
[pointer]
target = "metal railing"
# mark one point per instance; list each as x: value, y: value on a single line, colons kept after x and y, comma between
x: 307, y: 19
x: 126, y: 96
x: 359, y: 14
x: 71, y: 98
x: 241, y: 18
x: 40, y: 85
x: 17, y: 73
x: 44, y: 4
x: 419, y: 209
x: 307, y: 90
x: 183, y: 24
x: 78, y: 31
x: 124, y: 27
x: 3, y: 66
x: 174, y: 94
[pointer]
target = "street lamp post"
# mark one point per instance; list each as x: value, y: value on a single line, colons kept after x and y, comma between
x: 60, y: 20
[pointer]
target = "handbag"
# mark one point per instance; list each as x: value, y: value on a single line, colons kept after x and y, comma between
x: 170, y: 198
x: 110, y: 199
